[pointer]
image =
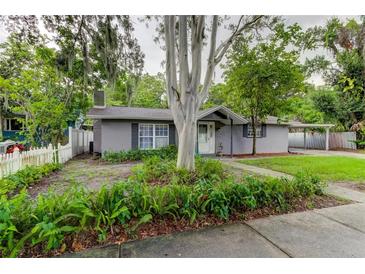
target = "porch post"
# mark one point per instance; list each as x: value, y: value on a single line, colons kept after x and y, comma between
x: 197, y: 138
x: 305, y: 138
x: 231, y: 137
x: 327, y: 138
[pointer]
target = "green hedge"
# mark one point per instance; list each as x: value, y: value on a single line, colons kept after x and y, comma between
x: 168, y: 152
x: 25, y: 177
x: 48, y: 220
x: 153, y: 169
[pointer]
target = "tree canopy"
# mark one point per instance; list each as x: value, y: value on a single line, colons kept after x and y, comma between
x: 50, y: 75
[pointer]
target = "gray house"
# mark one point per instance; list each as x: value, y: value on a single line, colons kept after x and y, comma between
x: 220, y: 131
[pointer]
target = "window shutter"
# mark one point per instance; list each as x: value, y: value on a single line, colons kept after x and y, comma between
x: 245, y: 130
x: 172, y: 140
x: 263, y: 130
x: 134, y: 135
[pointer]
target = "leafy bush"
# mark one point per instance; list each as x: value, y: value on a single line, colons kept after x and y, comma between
x: 168, y: 152
x: 25, y: 177
x: 154, y: 170
x: 47, y: 221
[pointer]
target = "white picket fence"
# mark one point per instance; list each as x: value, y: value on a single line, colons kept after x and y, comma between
x: 78, y: 143
x: 80, y: 140
x: 318, y: 140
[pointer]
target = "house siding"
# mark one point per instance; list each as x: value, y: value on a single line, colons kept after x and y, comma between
x: 276, y: 140
x: 116, y: 135
x: 97, y: 135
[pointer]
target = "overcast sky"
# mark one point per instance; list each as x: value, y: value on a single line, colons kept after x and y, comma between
x: 154, y: 55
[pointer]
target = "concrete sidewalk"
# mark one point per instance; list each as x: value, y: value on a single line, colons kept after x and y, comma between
x: 330, y: 232
x: 231, y: 162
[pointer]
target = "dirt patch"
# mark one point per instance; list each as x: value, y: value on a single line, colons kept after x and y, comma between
x: 162, y: 226
x: 85, y: 171
x: 354, y: 186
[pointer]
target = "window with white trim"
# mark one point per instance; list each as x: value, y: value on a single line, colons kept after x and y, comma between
x: 250, y: 131
x: 12, y: 124
x: 153, y: 136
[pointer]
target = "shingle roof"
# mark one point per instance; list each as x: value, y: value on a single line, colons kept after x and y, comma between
x: 137, y: 113
x: 130, y: 113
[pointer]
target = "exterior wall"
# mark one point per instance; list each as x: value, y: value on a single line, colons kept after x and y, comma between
x: 276, y: 140
x: 97, y: 135
x: 116, y: 135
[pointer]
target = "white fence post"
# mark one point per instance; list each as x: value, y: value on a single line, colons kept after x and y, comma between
x: 11, y: 163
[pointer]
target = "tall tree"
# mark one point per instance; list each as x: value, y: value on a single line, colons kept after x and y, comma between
x: 104, y: 43
x: 34, y: 87
x: 150, y: 92
x: 260, y: 76
x: 186, y: 93
x: 345, y: 70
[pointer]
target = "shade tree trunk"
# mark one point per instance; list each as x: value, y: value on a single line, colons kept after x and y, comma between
x: 185, y: 91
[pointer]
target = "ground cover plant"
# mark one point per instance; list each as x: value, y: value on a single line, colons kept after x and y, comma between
x: 328, y: 168
x: 54, y: 221
x: 26, y: 177
x: 168, y: 152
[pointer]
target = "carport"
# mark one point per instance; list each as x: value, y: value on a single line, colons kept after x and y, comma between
x: 298, y: 125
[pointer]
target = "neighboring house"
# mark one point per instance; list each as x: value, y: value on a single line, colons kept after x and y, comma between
x: 220, y: 130
x: 11, y: 126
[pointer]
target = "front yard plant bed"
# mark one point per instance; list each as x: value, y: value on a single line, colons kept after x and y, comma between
x: 24, y: 178
x: 168, y: 152
x: 161, y: 226
x: 76, y: 219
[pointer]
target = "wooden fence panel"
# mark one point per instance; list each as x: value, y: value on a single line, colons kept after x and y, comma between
x: 318, y: 140
x: 78, y: 143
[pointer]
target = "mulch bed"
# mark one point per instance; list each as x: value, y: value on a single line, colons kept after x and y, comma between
x: 163, y: 226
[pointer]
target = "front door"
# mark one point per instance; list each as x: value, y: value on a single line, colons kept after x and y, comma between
x: 206, y: 137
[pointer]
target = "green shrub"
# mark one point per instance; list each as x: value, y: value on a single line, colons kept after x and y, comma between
x: 168, y: 152
x: 154, y: 169
x: 48, y: 220
x: 25, y: 177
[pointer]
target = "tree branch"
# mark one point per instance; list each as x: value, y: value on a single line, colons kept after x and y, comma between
x: 183, y: 57
x: 171, y: 78
x: 221, y: 50
x: 197, y: 30
x: 211, y: 62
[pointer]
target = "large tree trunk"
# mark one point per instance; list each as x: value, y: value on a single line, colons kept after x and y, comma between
x: 187, y: 145
x: 186, y: 94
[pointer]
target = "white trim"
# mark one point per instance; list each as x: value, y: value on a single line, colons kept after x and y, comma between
x: 153, y: 134
x: 230, y: 113
x: 212, y: 143
x: 258, y: 128
x: 6, y: 120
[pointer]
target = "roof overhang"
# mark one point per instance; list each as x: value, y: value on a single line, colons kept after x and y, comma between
x: 236, y: 118
x: 118, y: 117
x: 302, y: 125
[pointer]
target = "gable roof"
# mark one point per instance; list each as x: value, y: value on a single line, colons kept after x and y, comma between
x: 159, y: 114
x: 227, y: 111
x: 130, y: 113
x: 136, y: 113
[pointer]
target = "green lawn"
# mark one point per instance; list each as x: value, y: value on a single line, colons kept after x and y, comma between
x: 328, y: 168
